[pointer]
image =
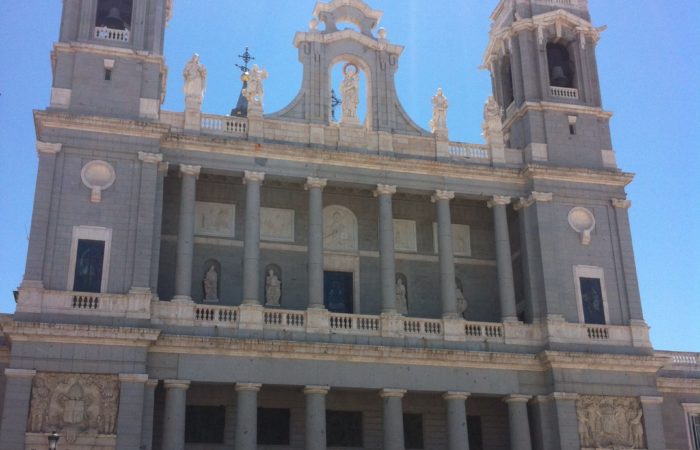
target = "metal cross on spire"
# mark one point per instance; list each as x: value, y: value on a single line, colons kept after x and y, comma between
x: 246, y: 57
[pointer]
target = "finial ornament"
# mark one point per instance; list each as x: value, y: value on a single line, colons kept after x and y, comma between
x: 350, y: 91
x: 439, y: 121
x: 246, y: 57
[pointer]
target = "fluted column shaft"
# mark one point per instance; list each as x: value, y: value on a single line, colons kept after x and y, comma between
x: 315, y: 417
x: 393, y: 418
x: 387, y: 261
x: 506, y: 286
x: 251, y: 246
x: 247, y: 416
x: 18, y: 389
x: 519, y: 423
x: 185, y: 233
x: 457, y: 433
x: 174, y: 422
x: 315, y: 266
x: 445, y: 249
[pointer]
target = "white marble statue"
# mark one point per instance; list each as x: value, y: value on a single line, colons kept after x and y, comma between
x: 492, y: 128
x: 211, y: 282
x: 440, y: 105
x: 273, y: 290
x: 461, y: 301
x: 350, y: 90
x: 195, y: 79
x: 401, y: 300
x: 255, y: 91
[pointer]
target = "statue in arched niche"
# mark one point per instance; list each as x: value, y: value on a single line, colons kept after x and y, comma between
x: 273, y: 288
x: 211, y: 285
x: 350, y: 90
x: 401, y: 300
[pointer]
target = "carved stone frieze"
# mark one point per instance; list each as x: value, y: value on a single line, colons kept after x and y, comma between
x: 610, y: 422
x: 74, y: 404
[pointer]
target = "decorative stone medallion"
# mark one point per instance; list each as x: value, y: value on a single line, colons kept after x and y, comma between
x: 583, y: 222
x: 97, y: 176
x: 277, y: 224
x: 74, y: 404
x: 215, y: 219
x: 610, y: 422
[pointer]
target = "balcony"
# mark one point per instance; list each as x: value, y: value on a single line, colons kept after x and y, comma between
x: 563, y: 92
x: 110, y: 34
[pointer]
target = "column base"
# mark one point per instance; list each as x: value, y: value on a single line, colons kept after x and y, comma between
x: 140, y: 290
x: 182, y: 299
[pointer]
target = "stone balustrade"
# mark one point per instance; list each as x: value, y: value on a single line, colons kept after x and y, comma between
x: 479, y: 153
x: 563, y: 92
x: 110, y: 34
x: 135, y: 305
x: 233, y: 126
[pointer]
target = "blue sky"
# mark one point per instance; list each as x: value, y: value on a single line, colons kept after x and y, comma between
x: 649, y: 73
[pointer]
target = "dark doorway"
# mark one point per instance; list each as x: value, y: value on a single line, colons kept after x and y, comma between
x: 592, y: 299
x: 337, y: 291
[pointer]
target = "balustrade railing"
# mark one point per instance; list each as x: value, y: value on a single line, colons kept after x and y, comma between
x: 470, y: 151
x: 483, y: 330
x: 215, y: 314
x: 284, y: 319
x: 110, y: 34
x: 423, y: 327
x: 86, y: 301
x: 234, y: 126
x: 598, y: 333
x: 348, y: 323
x: 563, y: 92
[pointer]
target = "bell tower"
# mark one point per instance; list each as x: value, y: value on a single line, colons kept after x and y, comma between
x: 541, y: 56
x: 109, y: 58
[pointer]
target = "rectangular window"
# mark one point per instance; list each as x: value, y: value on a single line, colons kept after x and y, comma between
x: 273, y: 426
x: 344, y: 429
x: 413, y: 431
x: 88, y: 266
x: 476, y: 441
x: 592, y: 301
x: 204, y: 424
x: 695, y: 431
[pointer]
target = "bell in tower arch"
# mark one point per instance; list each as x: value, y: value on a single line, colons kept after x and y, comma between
x: 558, y: 78
x: 114, y: 20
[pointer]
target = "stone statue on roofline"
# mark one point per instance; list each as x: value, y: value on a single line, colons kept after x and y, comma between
x: 254, y: 92
x: 438, y: 123
x: 195, y: 79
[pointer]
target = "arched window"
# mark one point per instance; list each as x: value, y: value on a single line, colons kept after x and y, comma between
x: 507, y: 81
x: 560, y: 65
x: 114, y: 14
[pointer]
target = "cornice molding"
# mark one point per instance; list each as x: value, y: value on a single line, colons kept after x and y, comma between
x: 678, y: 385
x: 352, y: 35
x: 96, y: 124
x: 575, y: 175
x: 602, y: 361
x: 108, y: 52
x: 79, y: 334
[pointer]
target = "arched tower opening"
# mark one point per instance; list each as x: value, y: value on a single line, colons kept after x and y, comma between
x: 114, y: 14
x: 561, y: 67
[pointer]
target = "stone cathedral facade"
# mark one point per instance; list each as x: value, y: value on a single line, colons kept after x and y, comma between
x: 332, y: 275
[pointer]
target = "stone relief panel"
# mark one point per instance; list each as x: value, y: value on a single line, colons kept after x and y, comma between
x: 74, y: 404
x: 339, y: 229
x: 405, y: 235
x: 215, y: 219
x: 461, y: 240
x: 610, y: 422
x: 277, y: 224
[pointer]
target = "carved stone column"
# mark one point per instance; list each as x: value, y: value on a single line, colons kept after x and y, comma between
x: 251, y: 246
x: 185, y: 234
x: 247, y: 416
x: 130, y: 419
x: 393, y: 418
x: 519, y: 423
x: 315, y: 265
x: 148, y: 404
x: 447, y: 264
x: 387, y: 262
x: 18, y: 389
x: 315, y: 417
x: 174, y: 421
x: 143, y: 258
x: 457, y: 434
x: 653, y: 422
x: 506, y: 286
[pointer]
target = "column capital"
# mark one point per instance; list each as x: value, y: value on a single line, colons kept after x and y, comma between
x: 48, y: 147
x: 133, y: 377
x: 176, y: 384
x: 455, y: 395
x: 621, y: 203
x: 253, y: 176
x: 152, y: 382
x: 651, y: 400
x: 152, y: 158
x: 163, y: 166
x: 190, y: 170
x: 442, y: 195
x: 500, y: 200
x: 397, y: 393
x: 526, y: 202
x: 312, y: 182
x: 19, y: 373
x: 322, y: 390
x: 251, y: 387
x: 517, y: 398
x: 385, y: 189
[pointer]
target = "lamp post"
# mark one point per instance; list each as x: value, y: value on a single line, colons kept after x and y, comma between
x: 53, y: 440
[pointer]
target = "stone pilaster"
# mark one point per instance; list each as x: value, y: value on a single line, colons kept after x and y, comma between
x: 567, y: 423
x: 393, y: 418
x: 457, y: 433
x: 315, y: 417
x: 251, y: 246
x: 629, y: 269
x: 18, y: 390
x: 185, y: 234
x: 157, y: 227
x: 174, y: 421
x: 315, y: 265
x: 247, y: 416
x: 130, y: 418
x: 147, y: 417
x: 653, y: 422
x: 387, y: 261
x: 447, y: 265
x: 506, y: 286
x: 519, y: 423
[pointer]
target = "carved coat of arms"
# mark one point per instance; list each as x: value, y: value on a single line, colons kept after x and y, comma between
x: 610, y: 422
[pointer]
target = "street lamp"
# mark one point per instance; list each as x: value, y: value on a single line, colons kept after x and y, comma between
x: 53, y: 440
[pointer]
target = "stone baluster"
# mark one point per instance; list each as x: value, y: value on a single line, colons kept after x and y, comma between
x: 506, y: 286
x: 447, y: 265
x: 148, y: 408
x: 247, y: 416
x: 174, y: 421
x: 387, y: 262
x: 457, y: 434
x: 393, y: 418
x: 315, y: 265
x: 251, y: 246
x: 315, y: 417
x: 18, y: 389
x: 519, y: 423
x: 185, y: 234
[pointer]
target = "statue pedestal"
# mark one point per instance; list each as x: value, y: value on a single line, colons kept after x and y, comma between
x: 453, y: 328
x: 318, y: 321
x: 193, y: 114
x: 392, y: 325
x: 250, y: 317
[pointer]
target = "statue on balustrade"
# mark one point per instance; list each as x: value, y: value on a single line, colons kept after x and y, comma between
x: 273, y: 289
x: 350, y: 89
x: 255, y: 91
x: 439, y: 119
x: 401, y: 301
x: 211, y: 285
x: 461, y: 301
x: 195, y: 79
